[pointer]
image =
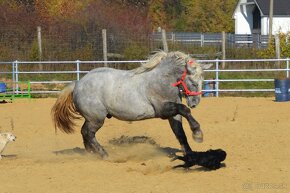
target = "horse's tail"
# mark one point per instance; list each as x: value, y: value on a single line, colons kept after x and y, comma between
x: 64, y: 111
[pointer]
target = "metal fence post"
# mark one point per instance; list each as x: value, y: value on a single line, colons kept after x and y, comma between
x: 16, y: 76
x: 13, y: 76
x: 217, y: 78
x: 277, y: 50
x: 287, y: 66
x: 78, y: 69
x: 13, y: 71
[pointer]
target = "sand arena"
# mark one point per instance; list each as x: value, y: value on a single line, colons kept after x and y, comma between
x: 254, y: 131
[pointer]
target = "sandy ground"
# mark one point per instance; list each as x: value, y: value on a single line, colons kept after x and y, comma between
x: 255, y: 132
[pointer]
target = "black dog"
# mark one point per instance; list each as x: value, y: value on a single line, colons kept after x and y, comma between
x: 210, y: 159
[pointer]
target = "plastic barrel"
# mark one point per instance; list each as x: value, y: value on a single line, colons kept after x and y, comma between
x: 282, y: 89
x: 206, y: 87
x: 2, y: 87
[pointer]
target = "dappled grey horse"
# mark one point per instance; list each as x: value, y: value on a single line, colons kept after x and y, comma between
x: 153, y: 90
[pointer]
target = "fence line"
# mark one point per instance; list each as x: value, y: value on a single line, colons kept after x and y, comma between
x: 202, y: 39
x: 17, y: 74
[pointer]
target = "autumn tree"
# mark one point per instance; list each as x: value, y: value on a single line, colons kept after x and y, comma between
x: 209, y: 15
x: 192, y: 15
x: 157, y: 14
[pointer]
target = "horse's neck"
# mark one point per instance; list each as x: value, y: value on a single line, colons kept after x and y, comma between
x: 169, y: 69
x: 165, y: 71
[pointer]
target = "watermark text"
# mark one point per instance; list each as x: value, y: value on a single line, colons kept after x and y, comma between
x: 250, y: 186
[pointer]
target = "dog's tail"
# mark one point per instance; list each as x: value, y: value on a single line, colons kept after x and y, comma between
x: 64, y: 111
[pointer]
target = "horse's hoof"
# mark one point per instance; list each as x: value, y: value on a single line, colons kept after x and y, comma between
x: 197, y: 136
x: 105, y: 157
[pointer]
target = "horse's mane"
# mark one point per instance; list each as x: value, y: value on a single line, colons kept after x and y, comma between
x: 155, y: 59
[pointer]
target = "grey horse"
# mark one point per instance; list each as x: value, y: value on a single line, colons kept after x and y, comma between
x: 153, y: 90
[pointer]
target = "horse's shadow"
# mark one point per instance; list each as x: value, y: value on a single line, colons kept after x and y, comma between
x: 209, y: 160
x: 203, y: 169
x: 74, y: 151
x: 124, y: 140
x: 171, y: 152
x: 9, y: 156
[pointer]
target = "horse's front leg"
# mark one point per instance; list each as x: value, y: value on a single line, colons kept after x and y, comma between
x: 176, y: 126
x: 171, y: 109
x: 194, y: 125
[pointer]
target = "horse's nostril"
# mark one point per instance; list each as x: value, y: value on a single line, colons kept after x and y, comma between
x: 192, y: 106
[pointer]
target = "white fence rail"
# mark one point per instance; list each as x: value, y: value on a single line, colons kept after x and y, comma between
x: 15, y: 73
x: 218, y: 70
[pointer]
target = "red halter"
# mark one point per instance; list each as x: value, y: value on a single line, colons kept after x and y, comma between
x: 186, y: 91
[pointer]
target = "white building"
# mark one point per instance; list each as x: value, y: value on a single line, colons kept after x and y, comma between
x: 252, y: 16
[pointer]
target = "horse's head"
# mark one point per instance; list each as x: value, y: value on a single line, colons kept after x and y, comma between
x: 193, y: 82
x: 190, y: 82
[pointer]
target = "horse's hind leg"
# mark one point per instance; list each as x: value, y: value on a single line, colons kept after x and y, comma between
x: 91, y: 144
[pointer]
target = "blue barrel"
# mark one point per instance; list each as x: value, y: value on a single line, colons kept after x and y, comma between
x: 2, y: 87
x: 206, y: 87
x: 282, y: 89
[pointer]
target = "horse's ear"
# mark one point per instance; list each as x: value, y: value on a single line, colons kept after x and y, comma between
x: 206, y: 66
x: 190, y: 66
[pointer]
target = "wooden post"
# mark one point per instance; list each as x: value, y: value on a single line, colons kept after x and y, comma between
x: 173, y: 38
x: 39, y: 47
x: 277, y: 48
x: 201, y: 40
x: 223, y: 49
x: 105, y: 50
x: 164, y: 41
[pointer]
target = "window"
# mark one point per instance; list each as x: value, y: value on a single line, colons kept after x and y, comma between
x: 256, y: 19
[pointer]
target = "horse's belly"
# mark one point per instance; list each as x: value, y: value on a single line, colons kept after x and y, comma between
x: 133, y: 118
x: 133, y: 113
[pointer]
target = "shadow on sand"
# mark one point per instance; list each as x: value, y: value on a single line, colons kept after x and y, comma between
x: 209, y: 160
x: 9, y: 156
x: 124, y: 141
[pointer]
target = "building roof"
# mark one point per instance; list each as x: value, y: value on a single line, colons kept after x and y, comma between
x: 280, y: 7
